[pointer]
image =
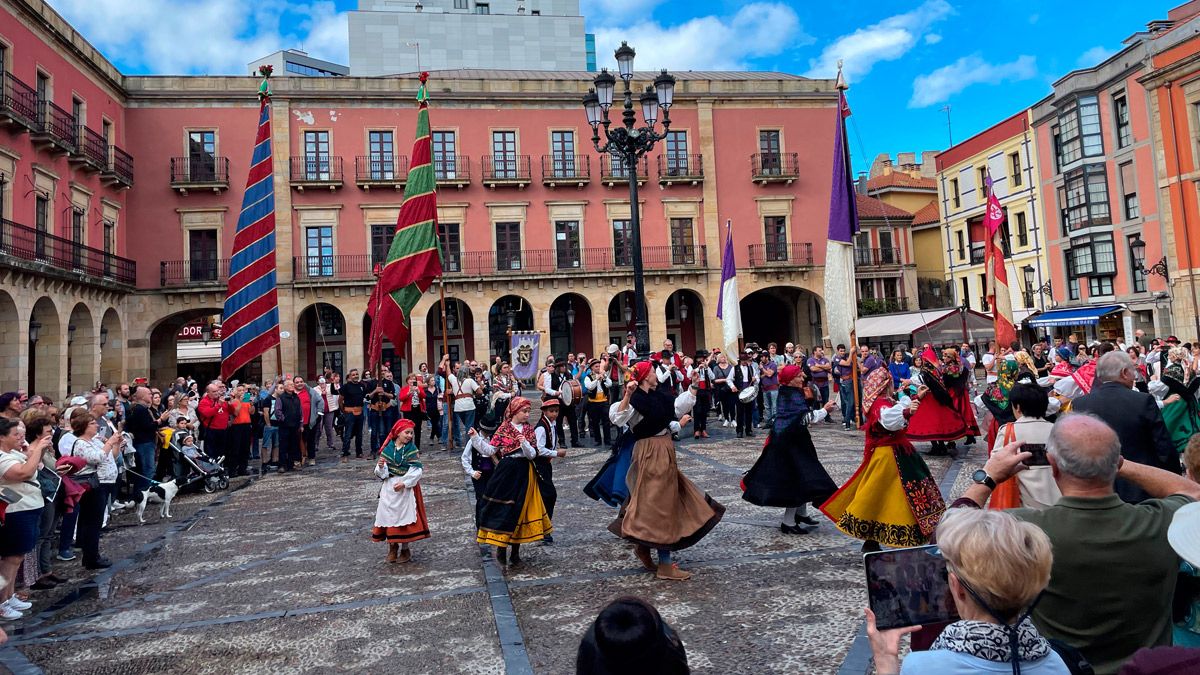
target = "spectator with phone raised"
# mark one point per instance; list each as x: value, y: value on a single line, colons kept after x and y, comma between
x: 1035, y: 488
x: 998, y: 566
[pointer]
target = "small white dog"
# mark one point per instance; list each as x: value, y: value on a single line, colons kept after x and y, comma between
x: 161, y: 493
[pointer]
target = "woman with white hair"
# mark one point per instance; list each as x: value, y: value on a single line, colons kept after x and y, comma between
x: 998, y: 566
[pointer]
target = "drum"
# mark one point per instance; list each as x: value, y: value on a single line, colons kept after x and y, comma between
x: 746, y: 395
x: 571, y: 392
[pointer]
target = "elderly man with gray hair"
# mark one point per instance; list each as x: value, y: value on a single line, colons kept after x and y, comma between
x: 1114, y: 571
x: 1133, y: 415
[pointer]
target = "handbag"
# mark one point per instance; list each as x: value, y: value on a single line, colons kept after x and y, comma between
x: 91, y: 480
x: 50, y: 482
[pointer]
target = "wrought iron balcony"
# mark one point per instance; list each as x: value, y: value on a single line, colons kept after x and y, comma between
x: 680, y: 169
x: 202, y: 271
x: 452, y: 170
x: 774, y: 167
x: 316, y: 268
x: 55, y: 128
x: 781, y: 254
x: 18, y: 103
x: 380, y: 171
x: 653, y: 258
x: 877, y: 257
x: 869, y: 306
x: 120, y: 169
x: 200, y: 172
x: 91, y: 149
x: 566, y: 170
x: 613, y: 171
x: 316, y: 170
x: 32, y: 249
x: 506, y: 170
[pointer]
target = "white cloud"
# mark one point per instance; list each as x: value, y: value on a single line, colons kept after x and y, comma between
x: 947, y: 81
x: 1094, y: 56
x: 707, y: 42
x: 887, y: 40
x: 933, y: 38
x: 206, y: 36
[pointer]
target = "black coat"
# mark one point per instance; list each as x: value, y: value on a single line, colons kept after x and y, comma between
x: 293, y: 411
x: 1139, y: 425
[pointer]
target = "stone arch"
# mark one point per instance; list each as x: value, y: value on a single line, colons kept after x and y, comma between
x: 782, y: 314
x: 460, y: 332
x: 164, y: 348
x: 46, y: 353
x: 320, y: 340
x: 82, y: 345
x: 508, y: 312
x: 112, y: 347
x: 571, y: 325
x: 11, y: 344
x: 685, y: 321
x: 620, y: 317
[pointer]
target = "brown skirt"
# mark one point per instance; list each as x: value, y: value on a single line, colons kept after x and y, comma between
x: 665, y: 509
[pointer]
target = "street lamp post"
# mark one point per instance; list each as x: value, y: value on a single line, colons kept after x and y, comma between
x: 628, y: 144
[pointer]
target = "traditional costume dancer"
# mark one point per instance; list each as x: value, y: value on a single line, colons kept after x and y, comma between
x: 546, y: 442
x: 938, y: 419
x: 788, y: 473
x: 956, y: 375
x: 609, y: 484
x: 891, y: 498
x: 479, y: 469
x: 666, y: 511
x: 513, y: 512
x: 400, y: 515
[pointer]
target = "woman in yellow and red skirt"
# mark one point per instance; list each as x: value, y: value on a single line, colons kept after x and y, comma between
x: 891, y: 499
x: 400, y: 516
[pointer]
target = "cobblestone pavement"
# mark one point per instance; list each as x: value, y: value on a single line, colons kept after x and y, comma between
x: 279, y: 575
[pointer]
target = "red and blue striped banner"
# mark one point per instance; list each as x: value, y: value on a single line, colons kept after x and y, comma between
x: 250, y: 324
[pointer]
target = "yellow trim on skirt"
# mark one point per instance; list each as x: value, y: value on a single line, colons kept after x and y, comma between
x: 533, y: 524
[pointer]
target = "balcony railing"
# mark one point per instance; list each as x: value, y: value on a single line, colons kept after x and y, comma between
x: 506, y: 170
x: 19, y: 243
x: 332, y: 267
x: 121, y: 168
x: 869, y: 306
x: 316, y: 170
x: 380, y: 171
x: 877, y: 256
x: 767, y: 167
x: 548, y: 261
x: 977, y: 255
x: 614, y: 171
x: 190, y: 272
x: 566, y: 170
x: 653, y: 258
x: 18, y: 102
x: 797, y: 255
x: 680, y: 168
x: 452, y: 170
x: 91, y: 147
x: 209, y: 172
x: 55, y: 126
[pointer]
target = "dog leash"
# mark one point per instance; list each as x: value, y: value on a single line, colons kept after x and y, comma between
x: 152, y: 481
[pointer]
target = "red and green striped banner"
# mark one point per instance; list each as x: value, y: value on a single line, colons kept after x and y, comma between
x: 414, y: 259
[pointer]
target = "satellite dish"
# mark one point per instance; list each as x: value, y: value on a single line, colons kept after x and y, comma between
x: 284, y: 334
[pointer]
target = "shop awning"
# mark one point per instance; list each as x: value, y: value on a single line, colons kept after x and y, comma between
x: 1077, y: 316
x: 938, y: 326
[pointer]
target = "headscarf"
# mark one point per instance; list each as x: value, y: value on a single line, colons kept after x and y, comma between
x: 877, y: 380
x: 507, y: 438
x: 400, y: 459
x: 789, y: 373
x: 642, y: 370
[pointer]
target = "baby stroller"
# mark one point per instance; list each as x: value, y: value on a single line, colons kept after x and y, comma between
x: 193, y: 467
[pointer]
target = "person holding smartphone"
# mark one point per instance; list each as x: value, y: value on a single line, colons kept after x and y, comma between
x: 24, y: 503
x: 1034, y: 488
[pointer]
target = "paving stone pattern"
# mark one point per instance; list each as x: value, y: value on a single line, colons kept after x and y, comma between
x: 279, y: 575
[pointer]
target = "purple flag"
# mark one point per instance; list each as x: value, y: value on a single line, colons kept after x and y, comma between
x: 729, y: 309
x: 843, y: 211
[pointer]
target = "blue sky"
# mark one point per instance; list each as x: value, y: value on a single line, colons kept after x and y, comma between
x: 904, y: 60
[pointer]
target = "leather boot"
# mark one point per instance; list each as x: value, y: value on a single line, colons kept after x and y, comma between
x: 392, y: 550
x: 643, y: 554
x: 672, y: 573
x: 405, y: 556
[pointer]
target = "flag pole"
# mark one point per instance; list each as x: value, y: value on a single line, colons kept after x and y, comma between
x: 446, y: 350
x: 856, y: 394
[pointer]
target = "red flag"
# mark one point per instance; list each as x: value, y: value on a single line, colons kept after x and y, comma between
x: 997, y: 271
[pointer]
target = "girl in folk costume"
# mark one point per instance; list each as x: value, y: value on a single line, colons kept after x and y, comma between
x: 788, y: 473
x: 666, y: 511
x: 546, y: 441
x: 513, y: 512
x: 891, y: 498
x: 956, y: 375
x: 938, y: 419
x: 400, y: 516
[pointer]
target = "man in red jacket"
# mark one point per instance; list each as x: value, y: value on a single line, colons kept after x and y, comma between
x: 214, y: 420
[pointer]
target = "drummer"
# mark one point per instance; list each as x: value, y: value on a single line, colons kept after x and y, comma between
x: 555, y: 384
x: 745, y: 385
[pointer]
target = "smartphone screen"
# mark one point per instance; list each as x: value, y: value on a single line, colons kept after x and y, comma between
x: 908, y: 587
x: 1039, y: 454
